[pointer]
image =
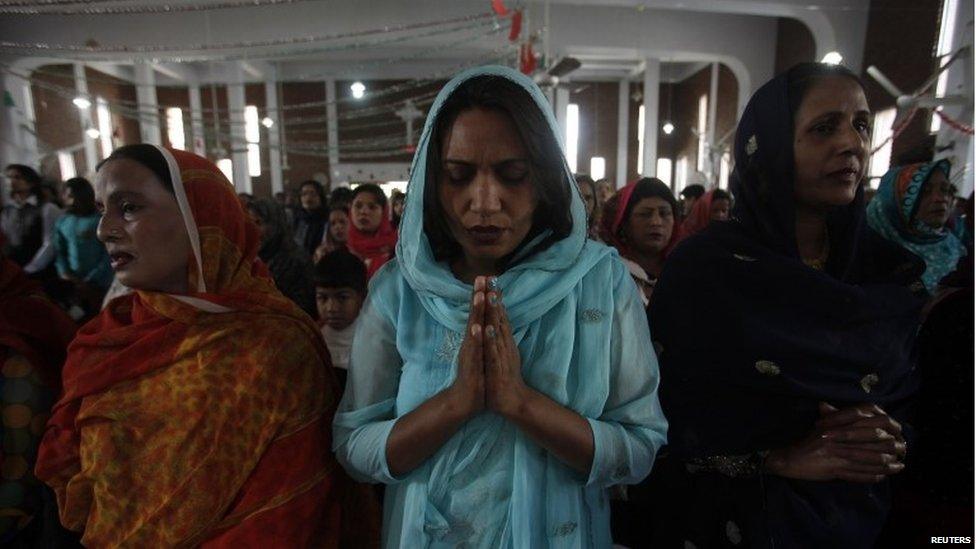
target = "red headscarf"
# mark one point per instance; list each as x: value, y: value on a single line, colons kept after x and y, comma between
x: 700, y: 216
x: 191, y: 395
x: 613, y: 219
x: 376, y: 249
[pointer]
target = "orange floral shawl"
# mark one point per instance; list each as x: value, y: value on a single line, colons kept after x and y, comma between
x: 199, y: 419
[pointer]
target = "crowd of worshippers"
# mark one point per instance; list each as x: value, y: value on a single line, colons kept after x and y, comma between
x: 518, y: 356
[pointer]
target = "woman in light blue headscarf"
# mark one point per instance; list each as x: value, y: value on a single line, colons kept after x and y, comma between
x: 911, y: 209
x: 502, y: 375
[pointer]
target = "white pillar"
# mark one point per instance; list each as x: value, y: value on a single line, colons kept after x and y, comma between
x: 562, y: 102
x: 710, y: 165
x: 332, y: 127
x: 652, y: 92
x: 274, y: 142
x: 238, y: 140
x: 953, y: 144
x: 149, y: 128
x: 196, y: 121
x: 623, y: 131
x: 85, y: 117
x: 19, y: 140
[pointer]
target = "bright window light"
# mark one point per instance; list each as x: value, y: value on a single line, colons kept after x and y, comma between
x: 702, y: 133
x: 640, y: 140
x: 598, y: 168
x: 81, y: 102
x: 832, y: 58
x: 252, y: 133
x: 572, y: 135
x: 358, y: 90
x: 681, y: 174
x: 104, y: 126
x: 174, y: 128
x: 66, y: 161
x: 664, y: 170
x: 724, y: 171
x: 946, y: 29
x: 880, y: 132
x: 227, y: 168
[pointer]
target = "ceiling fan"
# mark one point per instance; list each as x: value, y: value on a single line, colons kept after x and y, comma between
x: 920, y: 98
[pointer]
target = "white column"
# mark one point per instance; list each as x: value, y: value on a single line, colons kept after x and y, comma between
x: 19, y: 141
x: 196, y: 120
x: 85, y: 117
x: 623, y: 131
x: 238, y: 140
x: 149, y: 128
x: 274, y: 142
x: 332, y: 127
x: 711, y: 166
x: 953, y: 144
x: 652, y: 92
x: 562, y: 101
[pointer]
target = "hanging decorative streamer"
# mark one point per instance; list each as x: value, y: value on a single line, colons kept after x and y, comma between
x: 897, y: 130
x: 953, y: 123
x: 498, y: 6
x: 516, y: 29
x: 163, y: 49
x: 49, y: 8
x: 527, y: 60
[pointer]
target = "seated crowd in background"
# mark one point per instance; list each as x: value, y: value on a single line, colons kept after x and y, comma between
x: 782, y: 363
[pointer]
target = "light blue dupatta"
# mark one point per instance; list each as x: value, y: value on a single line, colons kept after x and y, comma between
x: 582, y: 335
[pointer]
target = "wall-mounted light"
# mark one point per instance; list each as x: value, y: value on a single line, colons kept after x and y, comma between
x: 358, y: 90
x: 832, y: 58
x: 81, y: 102
x: 93, y: 133
x: 267, y: 122
x: 668, y: 128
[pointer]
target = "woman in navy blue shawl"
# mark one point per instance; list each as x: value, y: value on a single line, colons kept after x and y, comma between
x: 776, y: 372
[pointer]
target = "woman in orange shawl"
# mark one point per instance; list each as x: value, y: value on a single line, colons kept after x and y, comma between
x: 197, y: 410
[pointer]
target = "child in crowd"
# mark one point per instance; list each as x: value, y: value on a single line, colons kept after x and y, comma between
x: 340, y: 289
x: 372, y: 237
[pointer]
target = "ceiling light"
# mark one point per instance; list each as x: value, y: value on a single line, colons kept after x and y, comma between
x: 668, y: 128
x: 832, y: 58
x: 267, y: 122
x: 93, y: 133
x: 358, y: 90
x: 81, y: 102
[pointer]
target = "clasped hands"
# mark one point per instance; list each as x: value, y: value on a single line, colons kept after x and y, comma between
x: 489, y: 374
x: 858, y: 444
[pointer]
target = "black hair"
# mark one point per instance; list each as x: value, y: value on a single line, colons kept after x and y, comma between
x: 802, y: 76
x: 721, y: 194
x: 341, y: 269
x: 318, y: 189
x: 547, y: 170
x: 371, y: 188
x: 147, y: 155
x: 28, y: 174
x: 340, y: 195
x: 693, y: 191
x: 650, y: 187
x: 344, y: 208
x: 84, y: 196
